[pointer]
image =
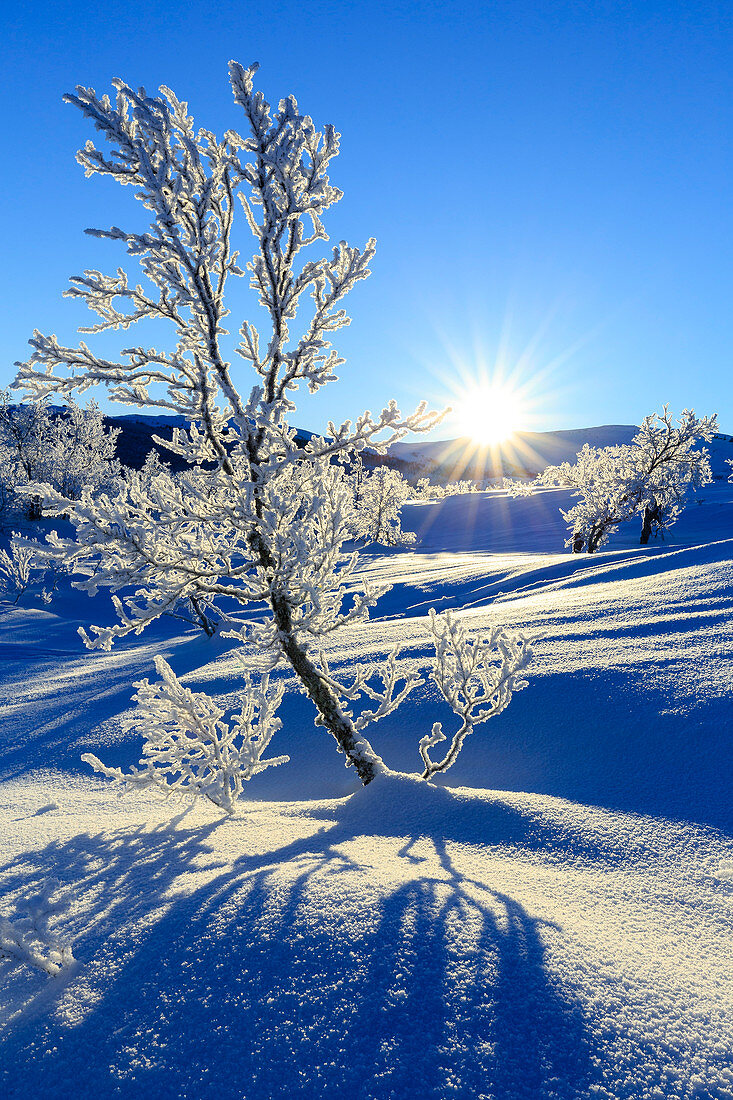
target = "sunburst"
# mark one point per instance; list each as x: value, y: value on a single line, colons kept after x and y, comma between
x: 489, y: 413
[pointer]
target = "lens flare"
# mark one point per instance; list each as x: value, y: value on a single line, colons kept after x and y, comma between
x: 489, y: 413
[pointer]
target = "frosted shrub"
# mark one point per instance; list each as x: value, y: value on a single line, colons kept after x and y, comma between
x: 476, y: 677
x: 27, y: 569
x: 28, y: 939
x: 226, y: 527
x: 515, y: 488
x: 16, y: 569
x: 189, y: 748
x: 427, y: 490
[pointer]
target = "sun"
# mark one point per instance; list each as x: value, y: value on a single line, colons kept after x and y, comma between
x: 489, y: 413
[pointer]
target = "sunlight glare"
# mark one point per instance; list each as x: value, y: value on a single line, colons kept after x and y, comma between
x: 489, y: 413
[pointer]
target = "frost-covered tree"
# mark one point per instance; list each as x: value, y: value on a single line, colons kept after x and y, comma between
x: 471, y: 681
x: 650, y: 477
x: 25, y: 443
x: 672, y: 464
x: 377, y: 510
x: 225, y: 527
x: 192, y: 748
x: 82, y: 451
x: 68, y: 448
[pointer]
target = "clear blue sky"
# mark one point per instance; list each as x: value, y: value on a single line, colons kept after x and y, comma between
x: 549, y: 183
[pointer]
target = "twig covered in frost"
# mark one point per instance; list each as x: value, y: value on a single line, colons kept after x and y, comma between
x: 387, y: 700
x: 16, y: 568
x: 470, y: 681
x: 28, y: 939
x: 26, y: 565
x: 189, y: 748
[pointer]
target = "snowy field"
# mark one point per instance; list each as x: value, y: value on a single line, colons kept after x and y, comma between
x: 556, y: 922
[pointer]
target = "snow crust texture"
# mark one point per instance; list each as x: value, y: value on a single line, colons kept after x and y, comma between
x: 405, y: 942
x: 555, y: 926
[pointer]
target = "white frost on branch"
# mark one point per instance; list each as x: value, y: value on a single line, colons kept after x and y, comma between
x: 16, y: 568
x: 387, y: 698
x: 471, y: 681
x: 189, y: 748
x: 227, y: 526
x: 26, y: 568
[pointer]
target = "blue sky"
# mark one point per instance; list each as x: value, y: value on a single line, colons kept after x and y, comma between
x: 549, y: 184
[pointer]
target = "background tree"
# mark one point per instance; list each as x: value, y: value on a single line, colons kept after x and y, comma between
x: 377, y: 509
x: 82, y: 451
x: 650, y: 477
x: 68, y: 448
x: 25, y: 441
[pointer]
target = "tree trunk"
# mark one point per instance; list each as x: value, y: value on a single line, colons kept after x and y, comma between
x: 357, y: 749
x: 593, y: 539
x: 650, y: 514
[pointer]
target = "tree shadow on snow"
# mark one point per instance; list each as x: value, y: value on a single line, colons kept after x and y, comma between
x: 298, y: 972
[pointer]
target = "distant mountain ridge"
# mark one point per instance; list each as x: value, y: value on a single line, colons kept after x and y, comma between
x: 135, y: 441
x: 525, y: 454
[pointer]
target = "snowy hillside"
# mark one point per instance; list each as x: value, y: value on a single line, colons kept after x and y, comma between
x: 554, y: 923
x: 529, y: 452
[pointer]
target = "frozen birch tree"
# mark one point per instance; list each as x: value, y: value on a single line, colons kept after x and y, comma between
x: 25, y: 439
x: 672, y: 464
x: 650, y: 477
x: 67, y: 448
x: 377, y: 517
x: 225, y: 527
x: 82, y: 451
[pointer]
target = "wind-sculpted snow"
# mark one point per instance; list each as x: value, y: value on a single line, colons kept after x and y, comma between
x: 556, y: 923
x: 406, y: 942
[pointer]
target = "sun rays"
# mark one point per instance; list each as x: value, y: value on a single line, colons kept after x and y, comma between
x: 489, y: 412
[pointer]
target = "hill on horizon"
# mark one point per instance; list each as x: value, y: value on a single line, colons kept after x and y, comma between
x: 524, y: 454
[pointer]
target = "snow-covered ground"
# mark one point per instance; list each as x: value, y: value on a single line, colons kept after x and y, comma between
x: 556, y: 922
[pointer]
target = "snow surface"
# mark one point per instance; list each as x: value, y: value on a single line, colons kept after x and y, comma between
x: 555, y: 923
